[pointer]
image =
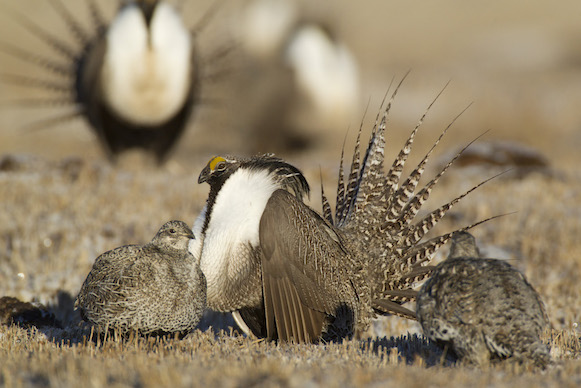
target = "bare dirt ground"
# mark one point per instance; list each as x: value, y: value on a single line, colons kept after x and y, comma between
x: 62, y: 203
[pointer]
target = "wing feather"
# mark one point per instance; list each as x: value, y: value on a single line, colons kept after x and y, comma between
x: 299, y: 287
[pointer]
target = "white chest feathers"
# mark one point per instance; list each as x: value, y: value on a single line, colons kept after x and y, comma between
x: 234, y: 224
x: 146, y: 72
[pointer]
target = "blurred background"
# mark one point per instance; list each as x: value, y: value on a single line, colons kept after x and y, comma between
x: 520, y: 65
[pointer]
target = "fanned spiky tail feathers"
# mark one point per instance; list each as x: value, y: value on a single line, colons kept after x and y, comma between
x: 57, y: 71
x: 377, y: 210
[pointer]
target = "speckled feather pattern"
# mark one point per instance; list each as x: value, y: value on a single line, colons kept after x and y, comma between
x: 376, y: 210
x: 484, y: 308
x: 157, y: 287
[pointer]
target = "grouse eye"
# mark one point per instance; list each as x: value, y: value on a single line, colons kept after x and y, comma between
x: 220, y: 166
x: 172, y: 231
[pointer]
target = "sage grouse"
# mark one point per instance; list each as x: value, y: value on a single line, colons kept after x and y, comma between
x: 155, y: 288
x: 483, y: 308
x: 309, y: 79
x: 135, y: 80
x: 288, y: 272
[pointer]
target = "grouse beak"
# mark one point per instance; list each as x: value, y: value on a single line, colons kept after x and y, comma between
x: 205, y: 174
x: 190, y: 235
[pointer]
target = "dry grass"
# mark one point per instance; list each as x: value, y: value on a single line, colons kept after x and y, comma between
x: 205, y: 359
x: 56, y: 217
x: 61, y: 204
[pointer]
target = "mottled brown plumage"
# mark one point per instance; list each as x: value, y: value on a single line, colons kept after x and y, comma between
x: 484, y: 309
x: 154, y: 288
x: 321, y: 276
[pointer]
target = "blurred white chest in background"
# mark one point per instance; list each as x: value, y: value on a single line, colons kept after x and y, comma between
x: 146, y: 71
x: 325, y: 71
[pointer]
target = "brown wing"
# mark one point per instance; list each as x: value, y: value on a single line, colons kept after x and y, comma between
x: 300, y: 277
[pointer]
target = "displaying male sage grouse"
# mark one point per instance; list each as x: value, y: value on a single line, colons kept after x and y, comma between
x: 135, y: 79
x: 155, y: 288
x: 287, y: 272
x: 483, y: 308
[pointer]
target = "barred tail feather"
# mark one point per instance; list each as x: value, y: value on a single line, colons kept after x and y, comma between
x: 414, y: 234
x: 352, y: 183
x: 386, y: 306
x: 417, y: 260
x: 368, y: 174
x: 327, y: 212
x: 406, y: 192
x: 401, y: 295
x: 414, y: 204
x: 340, y: 187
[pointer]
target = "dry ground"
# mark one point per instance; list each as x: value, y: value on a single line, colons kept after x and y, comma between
x: 62, y: 204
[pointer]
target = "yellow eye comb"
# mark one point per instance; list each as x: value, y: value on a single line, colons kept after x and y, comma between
x: 214, y: 161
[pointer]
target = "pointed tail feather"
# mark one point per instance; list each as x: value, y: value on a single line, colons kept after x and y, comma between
x: 408, y: 187
x: 401, y: 296
x: 72, y: 24
x: 41, y: 102
x: 352, y: 181
x: 327, y: 212
x: 368, y: 171
x: 340, y: 187
x: 407, y: 282
x: 53, y: 121
x: 372, y: 174
x: 36, y: 83
x: 388, y: 307
x: 50, y: 65
x: 417, y: 260
x: 413, y: 234
x: 97, y: 18
x: 45, y: 36
x: 415, y: 203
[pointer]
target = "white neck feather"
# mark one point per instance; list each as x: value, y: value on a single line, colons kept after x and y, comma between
x: 234, y: 225
x: 146, y: 72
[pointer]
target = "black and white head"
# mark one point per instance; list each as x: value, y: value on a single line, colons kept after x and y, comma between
x: 266, y: 168
x: 174, y: 235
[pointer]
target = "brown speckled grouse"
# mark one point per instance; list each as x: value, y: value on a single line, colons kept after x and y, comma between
x: 154, y: 288
x: 483, y: 308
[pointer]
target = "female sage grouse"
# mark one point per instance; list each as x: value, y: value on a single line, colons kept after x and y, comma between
x: 155, y: 288
x: 483, y: 308
x: 287, y: 272
x: 134, y: 79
